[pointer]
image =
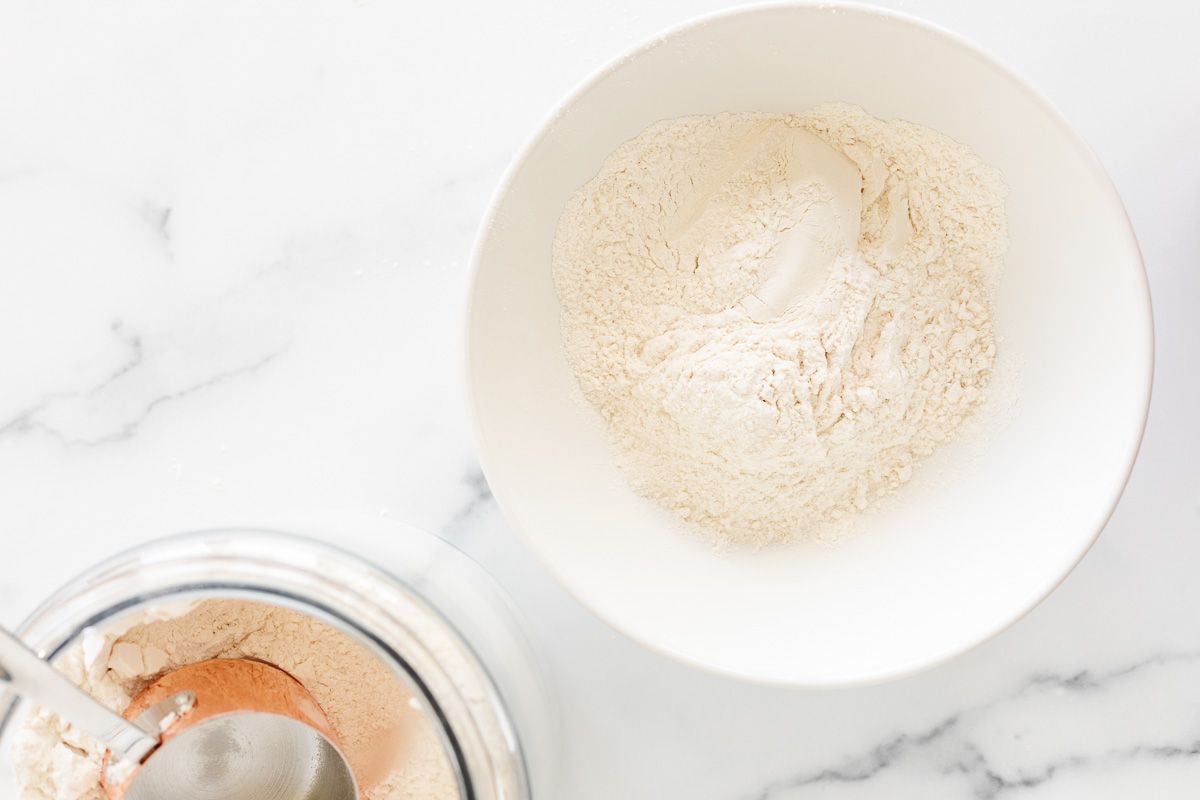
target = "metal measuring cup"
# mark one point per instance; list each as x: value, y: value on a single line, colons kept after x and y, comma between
x: 231, y: 729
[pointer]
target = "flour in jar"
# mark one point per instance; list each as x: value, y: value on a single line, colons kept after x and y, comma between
x: 777, y: 316
x: 392, y: 746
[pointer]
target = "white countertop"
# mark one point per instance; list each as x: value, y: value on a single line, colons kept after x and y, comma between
x: 234, y: 241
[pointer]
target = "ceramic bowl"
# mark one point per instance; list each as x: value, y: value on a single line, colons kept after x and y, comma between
x: 987, y: 528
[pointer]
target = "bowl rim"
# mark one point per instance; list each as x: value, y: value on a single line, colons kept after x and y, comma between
x: 539, y: 134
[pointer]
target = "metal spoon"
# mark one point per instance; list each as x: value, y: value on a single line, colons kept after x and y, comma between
x: 31, y: 677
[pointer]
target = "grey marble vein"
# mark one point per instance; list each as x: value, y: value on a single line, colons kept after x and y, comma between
x: 158, y: 216
x: 956, y: 751
x: 1085, y: 680
x: 479, y: 498
x: 30, y: 420
x: 863, y: 768
x: 130, y: 428
x: 26, y: 420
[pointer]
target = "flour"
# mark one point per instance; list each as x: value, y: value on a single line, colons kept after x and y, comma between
x: 778, y: 316
x: 368, y: 707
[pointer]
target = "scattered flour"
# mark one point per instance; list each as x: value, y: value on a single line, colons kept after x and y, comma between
x: 778, y: 316
x: 366, y: 704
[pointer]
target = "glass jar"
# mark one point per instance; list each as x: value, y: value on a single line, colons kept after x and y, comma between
x: 434, y: 616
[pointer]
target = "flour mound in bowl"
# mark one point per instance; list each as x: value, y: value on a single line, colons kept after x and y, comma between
x: 777, y: 316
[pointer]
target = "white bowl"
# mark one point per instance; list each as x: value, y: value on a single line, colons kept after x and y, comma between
x: 949, y: 563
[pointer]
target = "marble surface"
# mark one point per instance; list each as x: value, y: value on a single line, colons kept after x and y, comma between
x: 233, y: 239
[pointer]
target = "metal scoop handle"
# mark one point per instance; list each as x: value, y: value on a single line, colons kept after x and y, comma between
x: 38, y: 680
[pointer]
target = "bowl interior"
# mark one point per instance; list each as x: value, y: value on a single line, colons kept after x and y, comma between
x: 983, y: 532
